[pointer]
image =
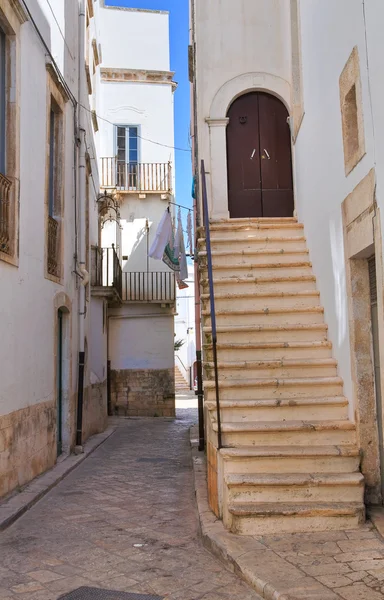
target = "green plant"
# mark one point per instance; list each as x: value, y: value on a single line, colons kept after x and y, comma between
x: 178, y: 344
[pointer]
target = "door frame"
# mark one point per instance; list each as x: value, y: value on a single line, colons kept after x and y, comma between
x: 260, y: 106
x: 62, y: 304
x: 213, y: 140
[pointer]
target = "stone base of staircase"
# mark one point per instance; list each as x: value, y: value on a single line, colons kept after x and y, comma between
x: 326, y: 564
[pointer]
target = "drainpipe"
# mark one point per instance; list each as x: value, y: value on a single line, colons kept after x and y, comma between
x: 82, y: 224
x: 196, y: 214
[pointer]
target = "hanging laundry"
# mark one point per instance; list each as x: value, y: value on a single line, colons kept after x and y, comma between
x: 163, y: 236
x: 179, y: 234
x: 190, y: 233
x: 183, y: 259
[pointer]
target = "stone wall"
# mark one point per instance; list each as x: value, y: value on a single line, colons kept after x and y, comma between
x: 143, y: 392
x: 95, y: 412
x: 27, y: 445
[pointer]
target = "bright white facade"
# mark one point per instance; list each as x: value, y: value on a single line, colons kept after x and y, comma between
x: 320, y: 63
x: 40, y: 268
x: 136, y: 160
x: 185, y: 330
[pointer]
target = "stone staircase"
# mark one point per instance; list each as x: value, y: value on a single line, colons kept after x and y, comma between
x: 289, y: 460
x: 180, y: 383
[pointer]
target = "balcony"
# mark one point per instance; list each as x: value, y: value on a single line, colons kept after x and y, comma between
x: 108, y: 280
x: 5, y: 233
x: 53, y: 247
x: 139, y: 178
x: 152, y: 287
x: 106, y: 273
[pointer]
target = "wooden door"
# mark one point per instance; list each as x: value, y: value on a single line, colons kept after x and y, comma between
x: 259, y: 158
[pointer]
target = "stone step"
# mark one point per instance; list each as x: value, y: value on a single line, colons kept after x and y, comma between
x: 290, y: 459
x: 245, y: 227
x: 274, y: 256
x: 294, y: 487
x: 262, y: 284
x: 271, y: 333
x: 262, y: 300
x: 290, y: 388
x: 268, y: 316
x: 252, y: 242
x: 269, y: 350
x: 311, y: 367
x: 298, y: 409
x: 297, y: 433
x: 247, y: 269
x: 279, y: 518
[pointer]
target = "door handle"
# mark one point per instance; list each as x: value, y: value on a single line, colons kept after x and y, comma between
x: 267, y: 153
x: 253, y: 153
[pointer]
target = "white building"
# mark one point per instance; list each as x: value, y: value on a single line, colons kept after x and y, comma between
x: 49, y: 183
x: 185, y: 357
x: 287, y: 117
x: 136, y: 157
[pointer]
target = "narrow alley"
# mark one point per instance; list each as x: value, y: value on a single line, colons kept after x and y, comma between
x: 125, y: 519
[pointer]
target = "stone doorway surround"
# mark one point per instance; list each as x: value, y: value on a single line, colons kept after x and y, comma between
x: 362, y: 239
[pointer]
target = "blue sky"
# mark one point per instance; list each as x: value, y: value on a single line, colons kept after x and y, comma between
x: 179, y: 33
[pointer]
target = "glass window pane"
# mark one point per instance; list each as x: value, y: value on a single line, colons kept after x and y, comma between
x: 133, y: 156
x: 132, y: 132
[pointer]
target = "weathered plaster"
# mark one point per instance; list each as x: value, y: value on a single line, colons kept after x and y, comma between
x: 358, y: 212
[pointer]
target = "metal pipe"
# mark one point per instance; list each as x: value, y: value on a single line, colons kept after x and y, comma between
x: 211, y: 297
x: 82, y: 225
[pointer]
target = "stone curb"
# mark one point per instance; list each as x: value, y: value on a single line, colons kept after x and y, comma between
x: 16, y: 505
x: 218, y: 540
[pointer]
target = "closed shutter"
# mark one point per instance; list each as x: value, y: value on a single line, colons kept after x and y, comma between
x: 372, y: 279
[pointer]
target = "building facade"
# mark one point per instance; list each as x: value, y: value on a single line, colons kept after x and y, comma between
x: 286, y: 117
x: 46, y: 205
x: 136, y: 160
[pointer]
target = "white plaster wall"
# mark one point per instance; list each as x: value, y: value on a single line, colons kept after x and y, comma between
x: 141, y: 338
x: 98, y: 341
x: 148, y: 106
x: 238, y: 49
x: 374, y: 12
x: 143, y: 38
x: 28, y: 317
x: 185, y: 324
x: 330, y: 30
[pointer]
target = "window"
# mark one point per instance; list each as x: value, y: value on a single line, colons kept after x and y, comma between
x: 54, y: 187
x: 12, y: 16
x: 3, y: 102
x: 352, y: 112
x: 127, y: 151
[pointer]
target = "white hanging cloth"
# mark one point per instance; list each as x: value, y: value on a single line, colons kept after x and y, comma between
x: 190, y: 233
x: 179, y: 235
x: 183, y: 260
x: 162, y: 238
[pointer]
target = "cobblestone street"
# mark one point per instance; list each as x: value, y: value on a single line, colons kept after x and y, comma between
x: 125, y: 519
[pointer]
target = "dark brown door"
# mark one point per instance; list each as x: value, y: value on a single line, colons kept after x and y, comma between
x: 259, y: 158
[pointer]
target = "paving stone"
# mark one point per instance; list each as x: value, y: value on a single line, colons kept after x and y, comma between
x: 359, y: 591
x: 83, y: 532
x: 334, y: 581
x: 367, y: 565
x: 359, y: 576
x: 44, y: 576
x: 331, y: 569
x: 353, y: 545
x: 359, y: 556
x: 23, y: 588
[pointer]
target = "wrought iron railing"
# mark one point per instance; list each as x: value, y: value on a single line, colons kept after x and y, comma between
x: 136, y: 177
x: 211, y: 297
x: 106, y: 269
x: 5, y: 198
x: 149, y: 286
x: 53, y: 247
